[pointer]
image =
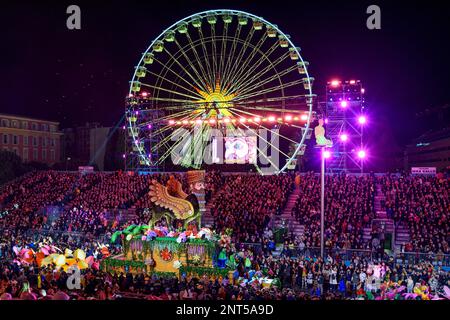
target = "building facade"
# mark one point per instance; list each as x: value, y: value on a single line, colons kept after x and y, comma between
x: 429, y: 150
x: 86, y: 145
x: 31, y: 139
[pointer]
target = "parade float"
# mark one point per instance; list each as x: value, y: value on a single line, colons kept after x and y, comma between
x: 173, y: 243
x: 46, y: 255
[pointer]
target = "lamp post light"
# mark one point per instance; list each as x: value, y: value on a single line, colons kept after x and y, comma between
x: 67, y: 162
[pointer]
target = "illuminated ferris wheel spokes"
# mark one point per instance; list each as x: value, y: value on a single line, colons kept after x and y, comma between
x: 211, y: 70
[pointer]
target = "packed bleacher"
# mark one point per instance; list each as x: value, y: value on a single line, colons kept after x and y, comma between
x: 349, y: 202
x: 84, y: 200
x: 246, y: 204
x: 423, y: 204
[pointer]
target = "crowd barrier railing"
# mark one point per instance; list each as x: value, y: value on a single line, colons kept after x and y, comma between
x: 404, y: 258
x: 436, y: 259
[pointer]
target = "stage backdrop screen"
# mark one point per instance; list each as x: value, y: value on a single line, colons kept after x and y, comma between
x: 240, y: 150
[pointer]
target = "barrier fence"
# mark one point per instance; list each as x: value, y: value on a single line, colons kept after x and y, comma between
x: 405, y: 258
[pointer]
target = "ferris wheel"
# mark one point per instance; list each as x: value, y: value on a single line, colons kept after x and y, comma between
x: 220, y: 69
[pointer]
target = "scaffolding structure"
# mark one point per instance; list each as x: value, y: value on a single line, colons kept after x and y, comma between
x: 344, y: 121
x: 139, y: 138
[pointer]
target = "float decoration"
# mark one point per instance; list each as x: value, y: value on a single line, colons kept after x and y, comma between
x: 160, y: 250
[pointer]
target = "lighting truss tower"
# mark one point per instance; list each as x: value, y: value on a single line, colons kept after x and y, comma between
x: 344, y: 122
x: 137, y: 108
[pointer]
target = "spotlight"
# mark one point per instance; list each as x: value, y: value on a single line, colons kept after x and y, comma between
x: 242, y: 119
x: 352, y: 81
x: 304, y: 117
x: 344, y: 104
x: 212, y: 121
x: 326, y: 121
x: 362, y: 120
x: 335, y: 83
x: 361, y: 154
x: 257, y: 119
x: 171, y: 122
x: 288, y: 118
x: 185, y: 122
x: 344, y: 137
x: 271, y: 118
x: 198, y: 121
x: 326, y: 154
x: 226, y: 120
x: 144, y: 94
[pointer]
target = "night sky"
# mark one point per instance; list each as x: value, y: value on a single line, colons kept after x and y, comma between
x: 50, y: 72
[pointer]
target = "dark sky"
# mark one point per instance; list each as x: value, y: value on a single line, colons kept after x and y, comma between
x: 48, y: 71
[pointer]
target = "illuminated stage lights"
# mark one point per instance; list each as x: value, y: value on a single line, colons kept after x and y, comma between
x: 344, y: 104
x: 343, y: 137
x: 362, y: 120
x: 326, y: 154
x: 227, y: 120
x: 361, y: 154
x: 335, y: 83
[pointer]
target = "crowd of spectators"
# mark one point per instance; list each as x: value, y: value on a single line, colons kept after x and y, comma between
x: 349, y: 202
x: 85, y: 201
x: 421, y: 203
x: 246, y: 204
x: 301, y: 278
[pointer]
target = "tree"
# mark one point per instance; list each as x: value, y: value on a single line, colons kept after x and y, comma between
x: 10, y: 166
